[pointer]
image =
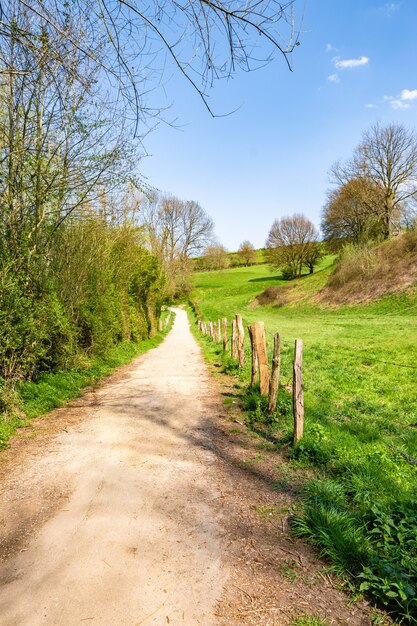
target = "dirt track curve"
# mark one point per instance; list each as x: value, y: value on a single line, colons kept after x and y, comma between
x: 138, y: 538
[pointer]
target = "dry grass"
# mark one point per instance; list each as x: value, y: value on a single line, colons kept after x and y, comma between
x: 272, y: 295
x: 368, y: 272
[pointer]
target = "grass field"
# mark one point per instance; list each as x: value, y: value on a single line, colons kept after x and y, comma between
x: 360, y: 373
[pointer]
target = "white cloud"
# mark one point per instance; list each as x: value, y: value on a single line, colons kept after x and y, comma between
x: 333, y: 78
x: 330, y: 48
x: 404, y: 100
x: 370, y: 106
x: 399, y: 104
x: 406, y: 94
x: 349, y: 63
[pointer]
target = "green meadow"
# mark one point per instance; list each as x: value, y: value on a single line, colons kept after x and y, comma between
x: 360, y: 394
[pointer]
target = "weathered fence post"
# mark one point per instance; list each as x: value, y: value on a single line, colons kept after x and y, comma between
x: 204, y: 328
x: 251, y: 329
x: 225, y: 334
x: 210, y: 326
x: 234, y: 341
x: 263, y: 364
x: 240, y: 340
x: 219, y: 330
x: 298, y: 396
x: 168, y: 319
x: 275, y: 373
x: 160, y: 327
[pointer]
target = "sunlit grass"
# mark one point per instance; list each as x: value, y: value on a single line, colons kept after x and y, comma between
x: 360, y: 373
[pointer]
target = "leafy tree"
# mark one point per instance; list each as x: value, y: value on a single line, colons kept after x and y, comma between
x: 216, y: 258
x: 352, y: 212
x: 314, y: 252
x: 290, y: 242
x: 247, y: 253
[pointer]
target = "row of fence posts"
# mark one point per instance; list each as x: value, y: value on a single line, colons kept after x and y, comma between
x: 164, y: 323
x: 268, y: 381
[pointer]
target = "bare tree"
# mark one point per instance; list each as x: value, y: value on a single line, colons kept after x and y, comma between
x: 289, y: 242
x: 57, y: 151
x: 175, y: 230
x: 387, y: 157
x: 204, y: 40
x: 247, y: 252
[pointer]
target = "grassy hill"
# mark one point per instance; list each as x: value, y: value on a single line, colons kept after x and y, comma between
x: 360, y: 373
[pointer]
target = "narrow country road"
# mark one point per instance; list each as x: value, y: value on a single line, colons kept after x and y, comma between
x: 146, y: 502
x: 138, y: 539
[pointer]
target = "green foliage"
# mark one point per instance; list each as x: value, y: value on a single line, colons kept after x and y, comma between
x: 53, y: 389
x: 360, y: 407
x: 391, y: 574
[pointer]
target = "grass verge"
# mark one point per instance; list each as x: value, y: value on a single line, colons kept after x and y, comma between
x: 53, y: 389
x: 360, y: 442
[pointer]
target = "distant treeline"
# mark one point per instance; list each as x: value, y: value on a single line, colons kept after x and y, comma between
x: 216, y: 257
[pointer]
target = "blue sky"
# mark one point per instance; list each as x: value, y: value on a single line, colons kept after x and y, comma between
x: 356, y: 65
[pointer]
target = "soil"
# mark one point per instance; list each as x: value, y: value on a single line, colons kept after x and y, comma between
x: 147, y: 502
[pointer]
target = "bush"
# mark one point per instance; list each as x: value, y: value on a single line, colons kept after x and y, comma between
x: 272, y: 295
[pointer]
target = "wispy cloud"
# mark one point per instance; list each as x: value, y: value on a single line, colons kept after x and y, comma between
x: 333, y: 78
x: 330, y: 48
x: 344, y: 64
x: 404, y: 100
x: 390, y: 8
x: 399, y: 104
x: 370, y: 106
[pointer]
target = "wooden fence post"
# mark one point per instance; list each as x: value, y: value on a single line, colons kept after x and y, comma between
x: 274, y: 382
x: 214, y: 331
x: 204, y: 328
x: 234, y: 341
x: 210, y: 325
x: 168, y: 319
x: 219, y: 330
x: 262, y: 358
x: 298, y: 396
x: 160, y: 327
x: 255, y: 367
x: 225, y: 334
x: 240, y: 340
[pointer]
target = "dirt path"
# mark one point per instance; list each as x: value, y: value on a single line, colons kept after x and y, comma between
x: 146, y: 502
x: 138, y: 539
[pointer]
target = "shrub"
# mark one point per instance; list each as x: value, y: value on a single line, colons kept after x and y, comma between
x: 272, y: 295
